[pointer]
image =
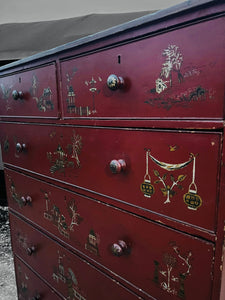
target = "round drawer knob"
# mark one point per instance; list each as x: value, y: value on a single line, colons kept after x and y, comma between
x: 26, y: 200
x: 119, y: 248
x: 115, y: 82
x: 31, y: 250
x: 20, y: 147
x: 17, y: 95
x: 117, y: 166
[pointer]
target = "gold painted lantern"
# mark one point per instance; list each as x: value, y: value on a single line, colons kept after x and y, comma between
x: 147, y: 188
x: 192, y: 199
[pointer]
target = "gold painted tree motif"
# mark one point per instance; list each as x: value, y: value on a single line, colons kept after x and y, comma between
x: 167, y: 190
x: 74, y: 215
x: 76, y: 146
x: 44, y: 101
x: 173, y: 63
x: 63, y: 158
x: 170, y: 262
x: 53, y: 214
x: 173, y: 271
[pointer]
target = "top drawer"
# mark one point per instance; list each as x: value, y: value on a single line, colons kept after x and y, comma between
x: 178, y: 74
x: 30, y: 94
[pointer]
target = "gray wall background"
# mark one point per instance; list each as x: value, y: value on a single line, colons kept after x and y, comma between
x: 42, y: 10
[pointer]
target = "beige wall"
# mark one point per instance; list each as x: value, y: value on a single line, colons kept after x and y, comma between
x: 40, y: 10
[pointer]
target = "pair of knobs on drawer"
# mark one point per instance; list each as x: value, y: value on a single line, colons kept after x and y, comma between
x: 113, y: 82
x: 116, y: 166
x: 118, y: 249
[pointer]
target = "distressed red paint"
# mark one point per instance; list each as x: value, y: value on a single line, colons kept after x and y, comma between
x: 114, y: 160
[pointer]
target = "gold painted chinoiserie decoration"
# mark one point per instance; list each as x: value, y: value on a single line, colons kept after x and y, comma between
x: 146, y: 187
x: 192, y: 199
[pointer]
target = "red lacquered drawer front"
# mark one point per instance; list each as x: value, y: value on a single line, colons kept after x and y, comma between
x: 165, y: 172
x: 29, y: 286
x: 69, y: 275
x: 39, y: 94
x: 179, y: 74
x: 158, y: 260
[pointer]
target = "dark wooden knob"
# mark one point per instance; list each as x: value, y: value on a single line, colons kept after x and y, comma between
x: 115, y: 82
x: 17, y: 95
x: 20, y: 147
x: 117, y: 166
x: 120, y: 248
x: 31, y: 250
x: 26, y: 200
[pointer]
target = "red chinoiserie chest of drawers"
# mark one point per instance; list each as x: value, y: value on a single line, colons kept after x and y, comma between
x: 113, y: 148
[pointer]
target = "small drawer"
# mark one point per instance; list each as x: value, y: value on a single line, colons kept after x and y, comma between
x: 31, y: 93
x: 179, y: 74
x: 156, y: 260
x: 30, y: 286
x: 154, y: 171
x: 71, y: 276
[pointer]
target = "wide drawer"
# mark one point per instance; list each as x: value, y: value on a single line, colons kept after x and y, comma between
x: 164, y: 173
x: 30, y: 93
x: 178, y: 74
x: 71, y: 276
x: 159, y: 261
x: 30, y: 286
